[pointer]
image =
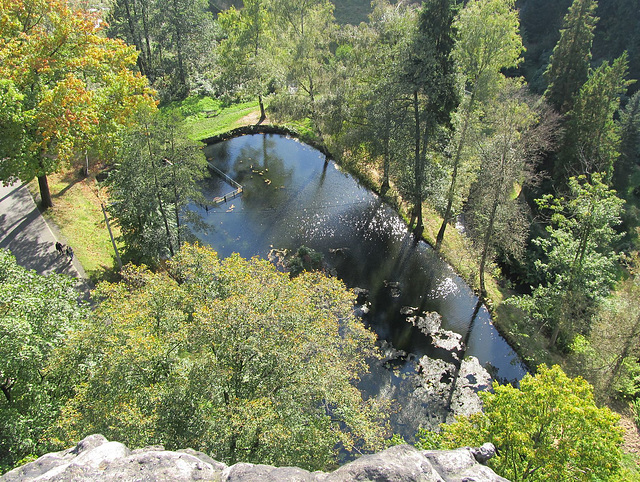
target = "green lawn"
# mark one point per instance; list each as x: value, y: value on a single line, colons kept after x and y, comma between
x: 206, y: 117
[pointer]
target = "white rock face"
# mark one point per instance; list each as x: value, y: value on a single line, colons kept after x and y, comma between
x: 96, y: 459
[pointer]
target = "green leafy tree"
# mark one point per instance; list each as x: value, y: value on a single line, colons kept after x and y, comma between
x: 547, y: 429
x: 174, y: 40
x: 569, y: 65
x: 516, y: 134
x: 304, y: 56
x: 190, y: 27
x: 152, y: 185
x: 591, y: 142
x: 226, y: 356
x: 488, y: 42
x: 377, y: 119
x: 36, y: 313
x: 135, y: 22
x: 75, y: 87
x: 579, y: 264
x: 246, y: 54
x: 609, y: 354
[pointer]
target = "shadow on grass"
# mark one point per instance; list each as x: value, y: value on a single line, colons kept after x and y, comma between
x: 70, y: 178
x: 110, y: 274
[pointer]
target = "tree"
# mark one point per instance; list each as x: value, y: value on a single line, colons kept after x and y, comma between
x: 11, y: 120
x: 135, y: 22
x: 547, y: 429
x: 190, y: 25
x: 579, y: 264
x: 569, y: 65
x: 307, y: 27
x: 173, y: 38
x: 629, y: 142
x: 73, y: 84
x: 515, y: 136
x: 609, y: 354
x: 376, y: 118
x: 36, y: 313
x: 591, y: 140
x: 246, y: 53
x: 430, y: 78
x: 488, y: 42
x: 152, y: 185
x: 226, y: 356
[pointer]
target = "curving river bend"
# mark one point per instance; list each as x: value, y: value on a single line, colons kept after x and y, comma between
x: 292, y: 197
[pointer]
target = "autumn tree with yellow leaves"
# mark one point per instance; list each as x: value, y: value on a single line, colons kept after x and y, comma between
x: 69, y: 88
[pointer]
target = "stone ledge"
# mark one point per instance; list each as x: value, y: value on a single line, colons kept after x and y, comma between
x: 95, y: 458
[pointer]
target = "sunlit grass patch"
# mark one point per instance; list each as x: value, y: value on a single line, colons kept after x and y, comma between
x: 207, y: 117
x: 78, y: 216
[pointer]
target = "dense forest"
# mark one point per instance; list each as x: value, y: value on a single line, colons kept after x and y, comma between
x: 519, y: 119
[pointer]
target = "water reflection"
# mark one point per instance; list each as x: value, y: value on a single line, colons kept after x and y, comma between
x: 293, y: 197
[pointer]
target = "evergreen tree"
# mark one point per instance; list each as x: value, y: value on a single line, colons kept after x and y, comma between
x: 429, y: 76
x: 591, y: 139
x: 629, y: 125
x: 569, y: 65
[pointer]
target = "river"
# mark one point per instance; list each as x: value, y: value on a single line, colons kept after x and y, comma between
x: 291, y: 197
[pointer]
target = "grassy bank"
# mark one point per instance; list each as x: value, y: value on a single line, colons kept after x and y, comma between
x: 78, y: 217
x: 207, y: 117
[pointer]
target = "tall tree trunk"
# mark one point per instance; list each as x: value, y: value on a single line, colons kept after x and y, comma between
x: 133, y: 31
x: 386, y: 163
x: 158, y: 195
x: 176, y: 208
x: 263, y: 115
x: 162, y: 211
x: 149, y: 55
x: 489, y: 232
x: 45, y: 194
x: 454, y: 175
x: 417, y: 199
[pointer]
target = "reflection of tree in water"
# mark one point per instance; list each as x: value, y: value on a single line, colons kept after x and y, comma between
x: 219, y: 155
x: 263, y: 175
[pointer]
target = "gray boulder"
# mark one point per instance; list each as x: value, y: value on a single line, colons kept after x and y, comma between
x: 97, y: 459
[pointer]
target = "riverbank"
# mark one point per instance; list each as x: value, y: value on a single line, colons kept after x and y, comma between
x: 457, y: 250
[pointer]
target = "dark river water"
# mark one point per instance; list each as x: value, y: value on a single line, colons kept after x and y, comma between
x: 292, y: 197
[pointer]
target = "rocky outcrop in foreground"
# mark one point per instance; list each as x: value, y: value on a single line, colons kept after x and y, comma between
x: 95, y: 458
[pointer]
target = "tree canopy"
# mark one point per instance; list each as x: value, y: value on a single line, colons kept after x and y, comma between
x: 36, y: 313
x: 579, y: 263
x: 71, y: 87
x: 226, y: 356
x: 151, y: 186
x: 569, y: 65
x: 547, y: 429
